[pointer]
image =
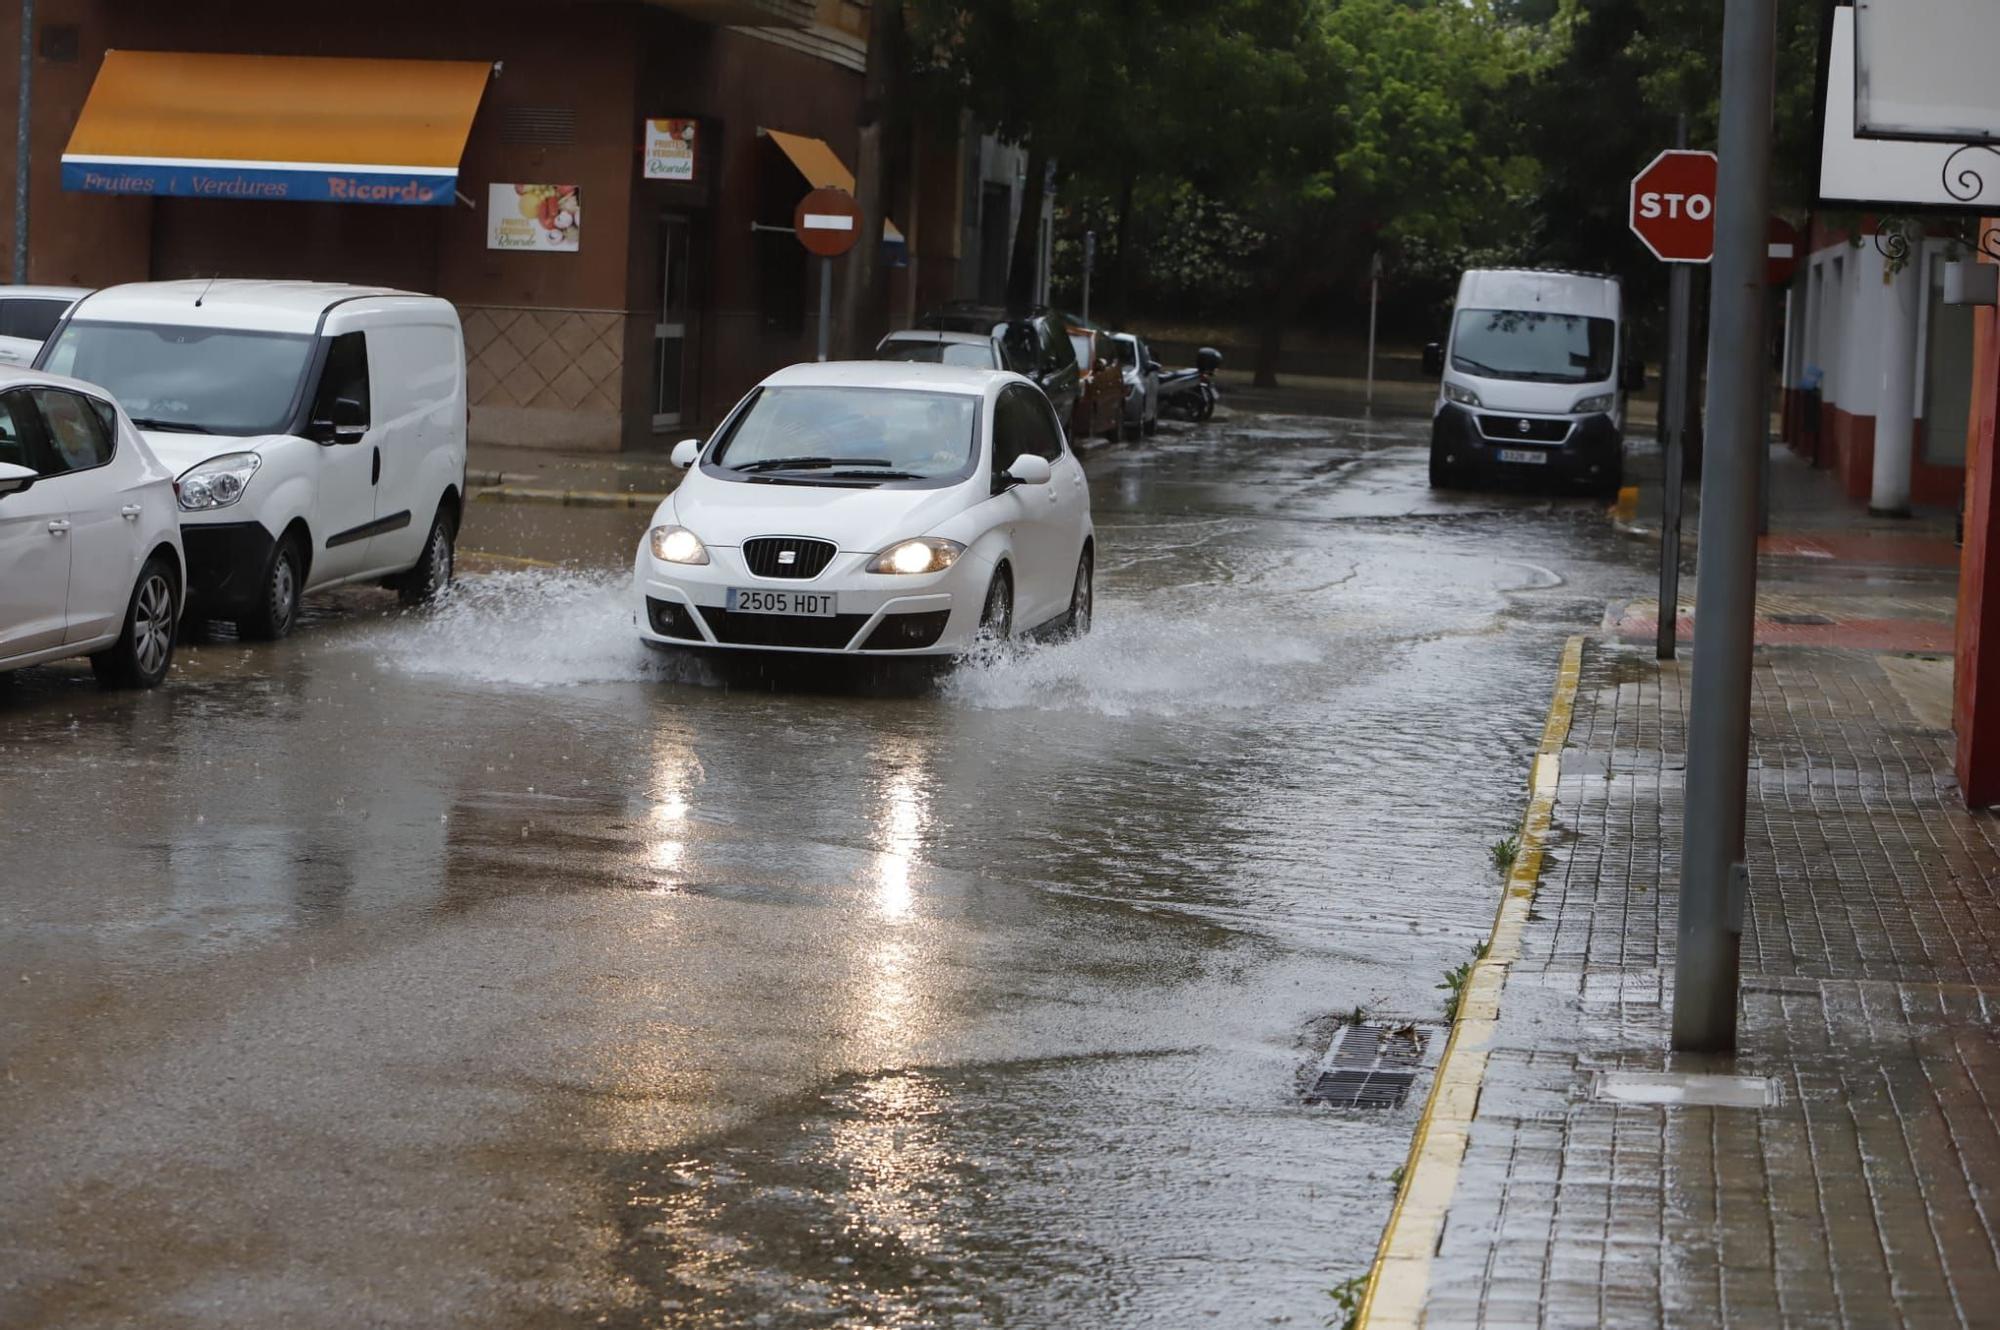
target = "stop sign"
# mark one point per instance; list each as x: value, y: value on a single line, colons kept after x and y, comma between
x: 827, y: 222
x: 1673, y: 206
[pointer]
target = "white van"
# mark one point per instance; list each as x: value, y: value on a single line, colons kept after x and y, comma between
x: 1532, y: 382
x: 316, y: 432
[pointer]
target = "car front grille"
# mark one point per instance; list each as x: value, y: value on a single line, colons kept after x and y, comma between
x: 788, y: 556
x: 782, y: 630
x: 1525, y: 429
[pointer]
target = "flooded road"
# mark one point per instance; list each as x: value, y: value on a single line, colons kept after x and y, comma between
x: 478, y: 967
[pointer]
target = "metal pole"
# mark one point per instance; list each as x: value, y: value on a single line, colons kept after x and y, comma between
x: 1089, y: 261
x: 1674, y: 403
x: 825, y: 307
x: 1374, y: 295
x: 22, y: 111
x: 1713, y: 878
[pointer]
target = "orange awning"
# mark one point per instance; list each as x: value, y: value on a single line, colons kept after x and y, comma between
x: 823, y: 169
x: 275, y: 127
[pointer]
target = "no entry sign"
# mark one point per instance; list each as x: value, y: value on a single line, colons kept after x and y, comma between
x: 1673, y: 206
x: 827, y: 222
x: 1781, y: 252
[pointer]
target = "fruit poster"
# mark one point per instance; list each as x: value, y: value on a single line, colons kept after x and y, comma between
x: 548, y: 218
x: 670, y: 149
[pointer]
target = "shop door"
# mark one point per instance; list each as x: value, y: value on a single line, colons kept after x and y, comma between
x: 673, y: 346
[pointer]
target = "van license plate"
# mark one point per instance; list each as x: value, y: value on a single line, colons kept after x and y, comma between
x: 1529, y: 455
x: 811, y: 604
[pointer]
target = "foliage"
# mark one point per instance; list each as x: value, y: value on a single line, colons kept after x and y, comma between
x: 1455, y: 980
x: 1504, y: 852
x: 1347, y: 1297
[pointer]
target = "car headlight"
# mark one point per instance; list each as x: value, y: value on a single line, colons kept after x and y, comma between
x: 925, y: 555
x: 677, y: 544
x: 1454, y: 392
x: 216, y: 483
x: 1595, y: 402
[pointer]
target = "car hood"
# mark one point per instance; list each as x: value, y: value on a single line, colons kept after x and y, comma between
x: 729, y: 512
x: 178, y: 452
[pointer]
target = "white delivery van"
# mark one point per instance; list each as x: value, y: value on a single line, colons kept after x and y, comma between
x: 1532, y: 381
x: 316, y: 432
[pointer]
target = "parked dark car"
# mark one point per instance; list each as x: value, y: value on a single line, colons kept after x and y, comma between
x: 1035, y: 345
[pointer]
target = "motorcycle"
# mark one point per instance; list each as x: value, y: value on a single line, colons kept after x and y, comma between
x: 1189, y: 394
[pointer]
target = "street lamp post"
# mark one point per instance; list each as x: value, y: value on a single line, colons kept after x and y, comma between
x: 21, y: 140
x: 1713, y: 877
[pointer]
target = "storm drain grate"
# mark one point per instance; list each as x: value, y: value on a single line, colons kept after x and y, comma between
x: 1369, y: 1066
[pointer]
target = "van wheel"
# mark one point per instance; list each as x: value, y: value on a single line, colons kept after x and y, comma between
x: 1440, y: 472
x: 432, y: 573
x: 145, y: 648
x: 277, y: 611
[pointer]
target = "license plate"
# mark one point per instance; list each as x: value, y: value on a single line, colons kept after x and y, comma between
x: 810, y: 604
x: 1529, y: 455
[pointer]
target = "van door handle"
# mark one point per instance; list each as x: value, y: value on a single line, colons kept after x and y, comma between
x: 59, y: 527
x: 130, y: 512
x: 375, y: 471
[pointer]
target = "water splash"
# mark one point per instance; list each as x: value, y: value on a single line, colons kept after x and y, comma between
x: 535, y: 627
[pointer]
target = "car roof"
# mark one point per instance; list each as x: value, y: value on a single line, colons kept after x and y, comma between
x: 12, y: 376
x: 45, y: 292
x: 256, y: 305
x: 893, y: 375
x: 1586, y: 294
x: 938, y: 335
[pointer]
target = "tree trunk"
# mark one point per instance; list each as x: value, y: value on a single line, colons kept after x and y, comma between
x: 881, y: 111
x: 1121, y: 267
x: 1025, y: 265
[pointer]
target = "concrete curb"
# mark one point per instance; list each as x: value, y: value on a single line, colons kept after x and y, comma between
x: 568, y: 498
x: 1399, y: 1279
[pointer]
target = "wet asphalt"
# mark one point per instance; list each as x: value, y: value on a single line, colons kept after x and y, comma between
x: 475, y: 967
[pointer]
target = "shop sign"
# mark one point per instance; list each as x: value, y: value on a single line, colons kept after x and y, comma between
x: 670, y: 149
x: 548, y: 218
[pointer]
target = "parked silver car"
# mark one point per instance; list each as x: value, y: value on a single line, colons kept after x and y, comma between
x: 1142, y: 384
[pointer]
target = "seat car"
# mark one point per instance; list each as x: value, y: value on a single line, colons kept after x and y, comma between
x: 1531, y: 382
x: 1100, y: 404
x: 90, y: 547
x: 926, y: 347
x: 1034, y: 345
x: 316, y: 432
x: 1141, y: 376
x: 872, y: 509
x: 28, y: 314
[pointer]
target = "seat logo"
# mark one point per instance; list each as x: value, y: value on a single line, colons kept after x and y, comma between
x: 792, y: 556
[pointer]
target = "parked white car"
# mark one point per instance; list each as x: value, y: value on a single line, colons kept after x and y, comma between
x: 90, y: 549
x: 872, y: 508
x: 317, y: 432
x: 925, y: 347
x: 28, y: 314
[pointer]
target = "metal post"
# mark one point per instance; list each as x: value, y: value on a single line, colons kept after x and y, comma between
x: 1674, y: 405
x: 22, y: 111
x: 1374, y: 295
x: 1713, y: 878
x: 1089, y: 262
x: 825, y: 307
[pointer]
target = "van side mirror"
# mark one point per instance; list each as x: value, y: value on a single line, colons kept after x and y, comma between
x: 1633, y: 378
x: 14, y: 479
x: 1433, y: 357
x: 345, y: 422
x: 686, y: 453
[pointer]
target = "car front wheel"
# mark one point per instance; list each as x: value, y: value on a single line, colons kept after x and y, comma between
x: 996, y: 617
x: 277, y: 610
x: 1082, y: 598
x: 145, y: 648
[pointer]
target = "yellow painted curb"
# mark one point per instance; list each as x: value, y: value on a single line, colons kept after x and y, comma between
x: 1400, y: 1277
x: 569, y: 498
x: 481, y: 556
x: 1627, y: 506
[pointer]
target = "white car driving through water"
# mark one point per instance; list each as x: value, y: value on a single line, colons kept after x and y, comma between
x: 872, y: 508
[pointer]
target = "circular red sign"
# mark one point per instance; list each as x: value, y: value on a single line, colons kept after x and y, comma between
x: 1781, y: 252
x: 1673, y: 206
x: 827, y: 222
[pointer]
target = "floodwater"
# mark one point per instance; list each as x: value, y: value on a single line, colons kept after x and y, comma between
x: 478, y: 967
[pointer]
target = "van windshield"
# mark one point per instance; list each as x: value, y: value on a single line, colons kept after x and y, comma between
x: 193, y: 380
x: 1533, y: 345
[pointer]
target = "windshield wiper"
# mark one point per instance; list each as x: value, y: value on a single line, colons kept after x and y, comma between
x: 881, y: 475
x: 169, y: 426
x: 809, y: 463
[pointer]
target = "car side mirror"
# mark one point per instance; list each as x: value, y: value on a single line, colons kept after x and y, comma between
x: 14, y: 479
x: 346, y: 421
x: 1433, y: 357
x: 1155, y: 367
x: 686, y: 453
x: 1030, y: 469
x: 1633, y: 379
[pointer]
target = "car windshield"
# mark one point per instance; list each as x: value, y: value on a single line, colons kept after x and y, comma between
x: 1533, y: 345
x: 970, y: 355
x: 849, y: 435
x: 205, y: 380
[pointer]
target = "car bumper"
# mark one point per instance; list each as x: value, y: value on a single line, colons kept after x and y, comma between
x: 1590, y: 453
x: 875, y: 614
x: 225, y: 562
